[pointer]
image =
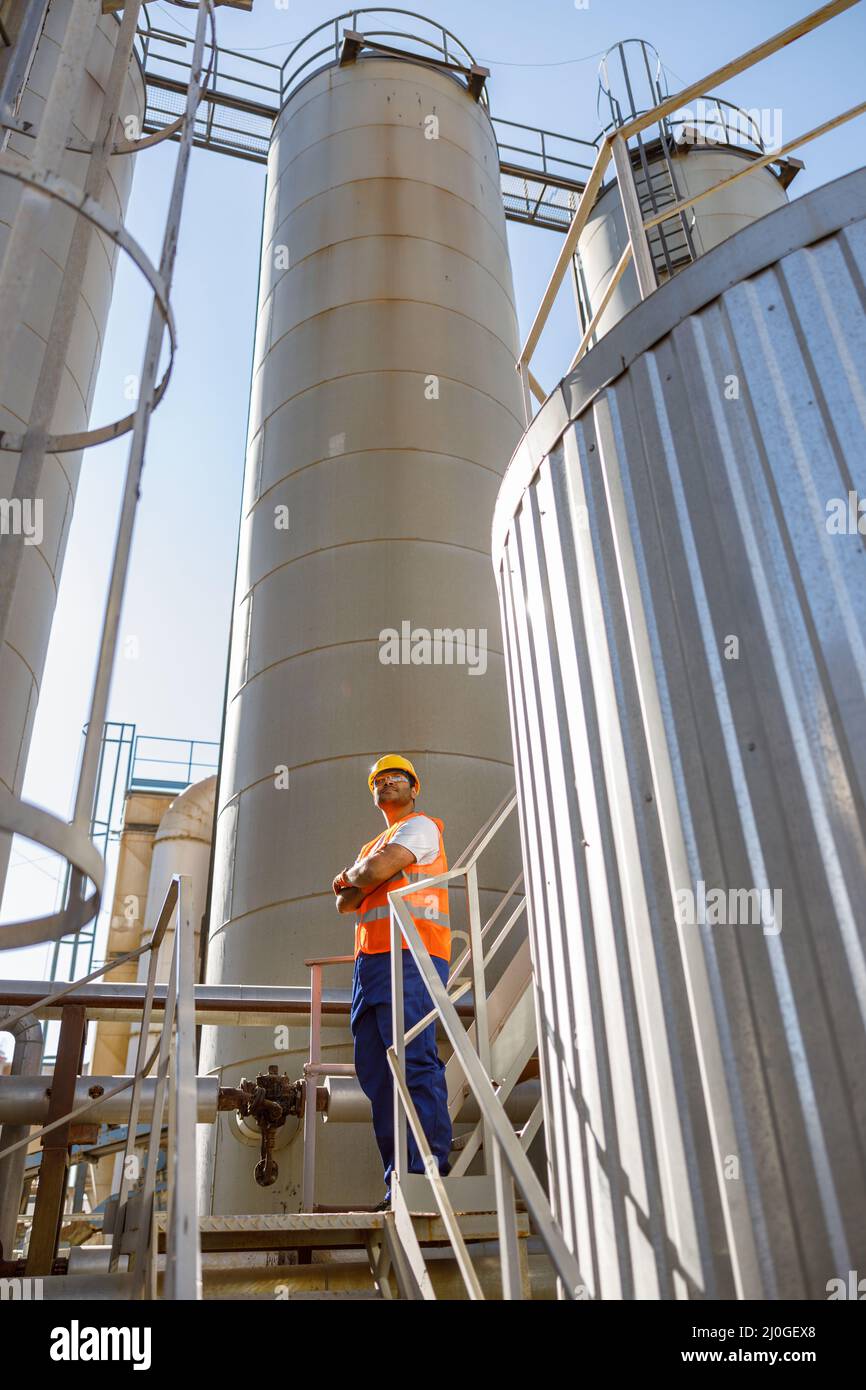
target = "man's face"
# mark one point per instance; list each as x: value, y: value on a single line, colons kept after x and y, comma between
x: 393, y: 789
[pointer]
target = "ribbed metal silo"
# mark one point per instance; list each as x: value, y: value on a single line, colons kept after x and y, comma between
x: 22, y: 657
x: 681, y: 577
x: 384, y: 407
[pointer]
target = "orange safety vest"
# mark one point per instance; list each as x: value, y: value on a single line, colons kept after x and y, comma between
x: 428, y: 908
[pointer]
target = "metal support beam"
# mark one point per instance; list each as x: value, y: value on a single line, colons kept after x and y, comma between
x: 53, y: 1172
x: 477, y: 79
x: 352, y: 45
x: 643, y: 261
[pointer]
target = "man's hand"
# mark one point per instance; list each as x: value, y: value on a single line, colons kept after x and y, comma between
x: 353, y: 884
x: 340, y: 882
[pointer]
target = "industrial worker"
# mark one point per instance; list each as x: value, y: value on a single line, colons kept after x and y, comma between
x: 410, y: 848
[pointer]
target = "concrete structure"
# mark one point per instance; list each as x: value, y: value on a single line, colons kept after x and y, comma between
x: 22, y: 657
x: 384, y: 406
x: 680, y: 569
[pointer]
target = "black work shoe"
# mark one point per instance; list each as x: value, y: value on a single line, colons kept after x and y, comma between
x: 384, y: 1205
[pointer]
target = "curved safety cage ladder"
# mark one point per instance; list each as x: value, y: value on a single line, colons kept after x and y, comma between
x: 40, y: 175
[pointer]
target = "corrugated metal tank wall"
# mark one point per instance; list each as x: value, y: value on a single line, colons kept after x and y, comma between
x: 22, y: 657
x: 384, y: 266
x: 685, y: 637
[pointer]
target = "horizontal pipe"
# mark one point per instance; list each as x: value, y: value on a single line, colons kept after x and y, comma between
x: 345, y: 1102
x: 288, y: 1281
x: 25, y: 1099
x: 93, y: 1259
x: 239, y: 1006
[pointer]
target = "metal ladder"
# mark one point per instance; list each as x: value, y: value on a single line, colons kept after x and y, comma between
x: 671, y: 243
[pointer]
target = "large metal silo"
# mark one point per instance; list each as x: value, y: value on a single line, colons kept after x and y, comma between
x: 22, y: 657
x: 384, y: 407
x: 679, y: 550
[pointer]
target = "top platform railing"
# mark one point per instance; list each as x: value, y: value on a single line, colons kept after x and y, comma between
x: 542, y: 172
x: 425, y: 38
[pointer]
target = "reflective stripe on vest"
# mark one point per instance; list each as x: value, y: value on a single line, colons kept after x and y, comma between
x: 376, y: 914
x: 428, y: 907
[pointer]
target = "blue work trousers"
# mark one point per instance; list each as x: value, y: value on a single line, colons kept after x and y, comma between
x: 425, y: 1072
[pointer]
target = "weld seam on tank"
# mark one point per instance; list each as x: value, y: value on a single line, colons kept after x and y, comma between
x: 385, y: 371
x: 399, y: 178
x: 396, y: 299
x: 357, y: 453
x: 377, y: 236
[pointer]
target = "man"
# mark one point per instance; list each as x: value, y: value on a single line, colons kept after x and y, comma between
x: 409, y: 849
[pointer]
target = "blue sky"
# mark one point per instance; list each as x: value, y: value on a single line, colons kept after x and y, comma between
x: 544, y: 59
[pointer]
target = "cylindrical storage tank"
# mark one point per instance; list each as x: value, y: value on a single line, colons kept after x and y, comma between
x: 22, y: 657
x: 696, y: 167
x: 385, y: 405
x: 182, y: 845
x: 684, y: 611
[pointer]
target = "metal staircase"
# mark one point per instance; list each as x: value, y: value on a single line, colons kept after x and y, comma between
x: 484, y: 1230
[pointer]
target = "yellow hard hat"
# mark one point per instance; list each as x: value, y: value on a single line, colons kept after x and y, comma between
x: 393, y: 762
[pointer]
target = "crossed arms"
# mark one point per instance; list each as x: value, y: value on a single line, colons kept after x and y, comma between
x: 353, y: 884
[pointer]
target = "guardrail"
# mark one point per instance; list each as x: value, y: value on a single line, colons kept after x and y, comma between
x: 433, y: 41
x: 503, y: 1150
x: 176, y: 1084
x: 615, y: 147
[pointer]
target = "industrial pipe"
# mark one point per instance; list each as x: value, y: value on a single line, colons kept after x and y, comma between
x: 301, y: 1281
x: 236, y: 1006
x: 26, y: 1061
x: 345, y: 1102
x: 24, y: 1099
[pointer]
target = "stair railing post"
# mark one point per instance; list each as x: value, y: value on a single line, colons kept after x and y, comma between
x: 506, y: 1216
x: 398, y: 1033
x: 634, y: 220
x: 311, y: 1083
x: 479, y: 992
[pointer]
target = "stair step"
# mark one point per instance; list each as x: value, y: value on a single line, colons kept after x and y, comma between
x: 328, y: 1230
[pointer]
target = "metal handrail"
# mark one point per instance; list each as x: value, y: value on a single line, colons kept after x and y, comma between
x: 501, y: 1146
x: 734, y: 133
x: 183, y: 1256
x: 290, y: 71
x: 615, y: 146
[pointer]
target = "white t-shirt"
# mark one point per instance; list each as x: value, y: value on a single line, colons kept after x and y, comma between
x: 420, y: 834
